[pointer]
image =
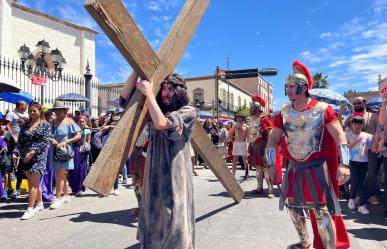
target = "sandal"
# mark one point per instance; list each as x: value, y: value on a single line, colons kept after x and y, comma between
x: 300, y: 245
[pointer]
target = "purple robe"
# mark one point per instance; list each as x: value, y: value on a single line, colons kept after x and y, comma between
x: 47, y: 180
x: 78, y: 174
x: 1, y: 185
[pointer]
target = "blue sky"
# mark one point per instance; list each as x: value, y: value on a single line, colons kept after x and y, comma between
x: 346, y: 40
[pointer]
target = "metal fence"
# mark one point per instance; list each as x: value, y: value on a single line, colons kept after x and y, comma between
x: 68, y: 83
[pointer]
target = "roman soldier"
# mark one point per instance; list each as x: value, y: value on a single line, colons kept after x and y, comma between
x: 311, y: 133
x: 260, y: 127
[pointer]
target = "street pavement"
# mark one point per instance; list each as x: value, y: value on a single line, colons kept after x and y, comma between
x: 90, y: 221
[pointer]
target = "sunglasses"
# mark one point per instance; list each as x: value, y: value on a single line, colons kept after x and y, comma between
x: 357, y: 103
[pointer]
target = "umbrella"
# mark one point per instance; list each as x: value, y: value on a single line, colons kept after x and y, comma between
x: 374, y: 102
x: 15, y: 97
x: 74, y: 97
x: 328, y: 96
x: 203, y: 114
x: 113, y: 102
x: 7, y: 85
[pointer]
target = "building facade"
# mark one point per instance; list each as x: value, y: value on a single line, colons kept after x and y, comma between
x: 352, y: 94
x: 230, y: 96
x: 257, y: 86
x: 22, y: 25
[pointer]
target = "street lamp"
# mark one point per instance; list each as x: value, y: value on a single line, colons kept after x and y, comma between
x: 44, y: 64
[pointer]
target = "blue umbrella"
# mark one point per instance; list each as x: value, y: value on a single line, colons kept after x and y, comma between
x: 328, y: 96
x: 374, y: 102
x: 74, y: 97
x: 204, y: 114
x: 15, y: 97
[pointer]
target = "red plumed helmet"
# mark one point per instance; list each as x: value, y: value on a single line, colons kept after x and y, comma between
x: 259, y: 99
x: 298, y: 67
x: 271, y: 110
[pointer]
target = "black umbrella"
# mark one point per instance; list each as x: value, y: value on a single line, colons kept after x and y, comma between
x: 8, y: 86
x: 74, y: 97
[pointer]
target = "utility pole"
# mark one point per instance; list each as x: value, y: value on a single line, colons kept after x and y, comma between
x: 228, y: 85
x: 216, y: 92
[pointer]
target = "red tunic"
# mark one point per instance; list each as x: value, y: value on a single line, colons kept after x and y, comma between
x: 266, y: 124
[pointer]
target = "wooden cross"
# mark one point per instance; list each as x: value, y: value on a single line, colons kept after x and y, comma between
x: 121, y: 29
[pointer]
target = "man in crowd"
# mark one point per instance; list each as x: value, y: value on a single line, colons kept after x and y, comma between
x: 240, y: 132
x: 311, y: 131
x: 17, y: 118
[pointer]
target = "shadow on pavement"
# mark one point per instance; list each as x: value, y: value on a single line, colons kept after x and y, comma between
x: 136, y: 246
x: 205, y: 216
x: 121, y: 217
x: 11, y: 215
x: 378, y: 234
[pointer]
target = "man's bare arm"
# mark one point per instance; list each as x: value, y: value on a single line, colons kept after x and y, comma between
x: 128, y: 88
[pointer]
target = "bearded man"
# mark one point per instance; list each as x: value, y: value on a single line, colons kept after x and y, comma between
x: 167, y: 209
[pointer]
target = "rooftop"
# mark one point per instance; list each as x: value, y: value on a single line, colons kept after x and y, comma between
x: 52, y: 18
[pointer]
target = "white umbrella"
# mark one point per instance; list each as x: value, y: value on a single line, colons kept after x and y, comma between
x: 7, y: 85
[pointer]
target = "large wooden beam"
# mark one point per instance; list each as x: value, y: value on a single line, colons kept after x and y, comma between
x: 203, y: 145
x: 125, y: 134
x: 119, y: 26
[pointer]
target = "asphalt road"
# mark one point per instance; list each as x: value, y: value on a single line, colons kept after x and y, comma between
x: 93, y: 222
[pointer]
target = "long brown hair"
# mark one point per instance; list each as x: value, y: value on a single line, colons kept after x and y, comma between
x: 39, y: 107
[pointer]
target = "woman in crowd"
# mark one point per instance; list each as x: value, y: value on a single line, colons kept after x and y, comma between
x: 30, y: 155
x: 81, y: 153
x: 64, y: 132
x: 6, y: 156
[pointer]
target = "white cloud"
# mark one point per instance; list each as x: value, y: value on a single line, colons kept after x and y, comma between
x: 181, y: 71
x: 380, y: 7
x: 154, y: 6
x: 325, y: 35
x: 187, y: 55
x: 307, y: 55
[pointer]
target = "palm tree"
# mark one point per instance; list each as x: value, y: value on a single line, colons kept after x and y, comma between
x: 320, y: 81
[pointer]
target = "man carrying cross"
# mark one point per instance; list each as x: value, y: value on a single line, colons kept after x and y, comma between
x: 167, y: 208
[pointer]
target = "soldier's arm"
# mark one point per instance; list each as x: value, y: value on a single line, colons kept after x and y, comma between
x: 274, y: 137
x: 336, y: 131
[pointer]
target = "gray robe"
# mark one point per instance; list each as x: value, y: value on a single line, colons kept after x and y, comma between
x: 167, y: 212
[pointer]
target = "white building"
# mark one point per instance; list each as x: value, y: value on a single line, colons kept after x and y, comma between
x: 22, y: 25
x: 202, y: 92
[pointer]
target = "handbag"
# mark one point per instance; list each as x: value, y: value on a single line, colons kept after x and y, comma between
x: 63, y: 154
x: 85, y: 147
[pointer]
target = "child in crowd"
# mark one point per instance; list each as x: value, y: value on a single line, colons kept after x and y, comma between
x: 359, y: 142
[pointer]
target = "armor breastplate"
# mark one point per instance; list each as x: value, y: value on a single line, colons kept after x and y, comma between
x: 255, y: 129
x: 303, y: 130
